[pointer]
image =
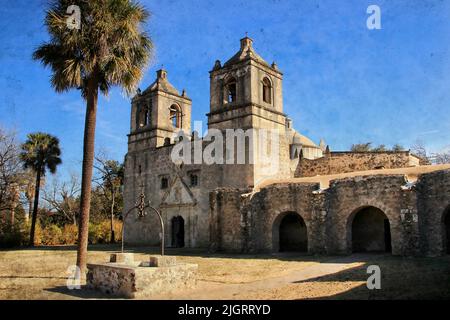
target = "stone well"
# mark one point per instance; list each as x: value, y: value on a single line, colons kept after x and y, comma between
x: 129, y: 279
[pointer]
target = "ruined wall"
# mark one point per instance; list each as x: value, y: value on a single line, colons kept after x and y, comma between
x: 433, y: 203
x: 228, y: 224
x: 253, y: 219
x: 346, y: 197
x: 342, y: 162
x: 249, y: 222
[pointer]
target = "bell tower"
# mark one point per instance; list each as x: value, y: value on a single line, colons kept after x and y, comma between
x: 246, y: 92
x: 159, y: 112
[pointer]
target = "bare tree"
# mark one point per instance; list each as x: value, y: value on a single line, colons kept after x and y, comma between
x: 397, y: 147
x: 361, y: 147
x: 64, y: 198
x: 28, y: 190
x: 418, y: 149
x: 10, y: 173
x: 109, y: 178
x: 380, y: 148
x: 441, y: 157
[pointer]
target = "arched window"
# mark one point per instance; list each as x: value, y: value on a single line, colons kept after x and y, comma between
x: 167, y: 141
x: 230, y: 91
x: 267, y: 90
x: 146, y: 117
x: 143, y: 118
x: 175, y: 116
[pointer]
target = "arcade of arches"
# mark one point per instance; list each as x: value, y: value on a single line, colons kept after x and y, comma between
x: 447, y: 230
x: 362, y: 214
x: 370, y: 231
x: 292, y: 233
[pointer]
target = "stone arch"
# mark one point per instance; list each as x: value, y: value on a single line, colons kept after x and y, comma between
x: 369, y: 230
x: 267, y: 90
x: 446, y: 230
x: 143, y: 115
x: 289, y: 232
x: 175, y: 116
x: 230, y: 90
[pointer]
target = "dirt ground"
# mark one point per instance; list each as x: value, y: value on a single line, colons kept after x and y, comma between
x: 41, y: 273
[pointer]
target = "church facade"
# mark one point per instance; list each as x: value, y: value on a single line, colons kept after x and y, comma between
x: 224, y: 206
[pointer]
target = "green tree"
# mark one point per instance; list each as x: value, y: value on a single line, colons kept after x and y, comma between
x: 40, y: 153
x: 109, y: 49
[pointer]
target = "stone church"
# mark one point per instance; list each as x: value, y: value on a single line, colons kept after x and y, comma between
x: 317, y: 200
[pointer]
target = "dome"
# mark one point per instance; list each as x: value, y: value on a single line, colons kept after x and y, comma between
x: 300, y: 139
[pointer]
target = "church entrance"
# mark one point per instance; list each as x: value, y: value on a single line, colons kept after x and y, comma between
x: 178, y: 232
x: 371, y: 231
x: 447, y: 230
x: 293, y: 235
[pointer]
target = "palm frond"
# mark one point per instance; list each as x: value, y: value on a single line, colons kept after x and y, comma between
x: 111, y: 42
x: 40, y: 152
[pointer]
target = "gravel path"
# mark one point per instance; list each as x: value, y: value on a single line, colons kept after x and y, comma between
x: 212, y: 290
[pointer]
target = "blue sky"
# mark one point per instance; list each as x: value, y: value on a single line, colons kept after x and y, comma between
x: 342, y: 82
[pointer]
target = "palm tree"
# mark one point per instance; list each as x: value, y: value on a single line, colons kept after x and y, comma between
x: 109, y: 49
x: 39, y: 153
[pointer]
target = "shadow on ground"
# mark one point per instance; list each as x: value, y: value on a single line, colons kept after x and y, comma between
x: 82, y: 293
x: 401, y: 279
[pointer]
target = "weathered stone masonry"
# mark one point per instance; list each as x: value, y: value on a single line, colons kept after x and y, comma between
x: 220, y: 207
x: 342, y: 162
x: 250, y: 222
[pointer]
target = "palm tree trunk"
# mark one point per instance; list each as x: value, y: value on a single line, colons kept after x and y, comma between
x: 35, y: 208
x: 86, y: 175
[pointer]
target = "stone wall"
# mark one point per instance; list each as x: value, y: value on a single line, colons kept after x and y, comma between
x: 343, y: 162
x: 228, y: 231
x: 433, y: 204
x: 346, y: 197
x: 249, y: 222
x: 141, y: 282
x: 146, y: 166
